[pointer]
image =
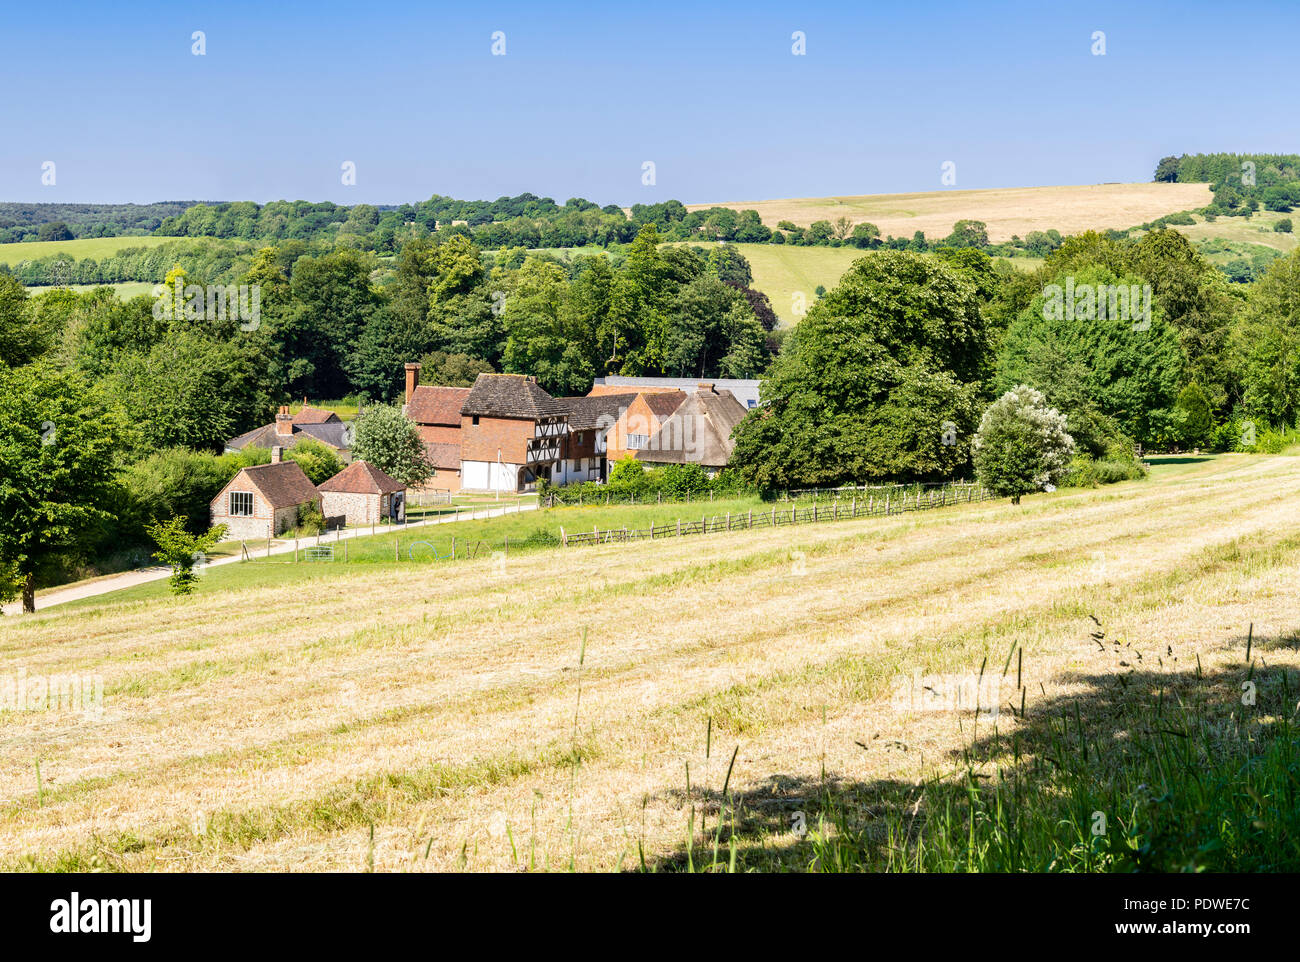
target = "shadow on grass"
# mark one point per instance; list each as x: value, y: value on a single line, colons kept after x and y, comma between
x: 1153, y: 766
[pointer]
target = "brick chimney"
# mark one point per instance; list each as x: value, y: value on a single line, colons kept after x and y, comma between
x: 284, y: 422
x: 412, y: 380
x: 277, y: 454
x: 706, y: 387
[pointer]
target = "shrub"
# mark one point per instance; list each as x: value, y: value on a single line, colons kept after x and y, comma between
x: 317, y: 461
x: 310, y: 518
x: 182, y: 551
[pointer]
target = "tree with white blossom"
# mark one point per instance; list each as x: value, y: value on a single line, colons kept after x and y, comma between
x: 1021, y: 445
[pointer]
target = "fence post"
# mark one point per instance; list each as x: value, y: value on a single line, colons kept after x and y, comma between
x: 563, y: 540
x: 728, y: 520
x: 751, y: 517
x: 679, y: 527
x: 773, y: 514
x: 453, y: 546
x: 345, y: 552
x: 507, y: 552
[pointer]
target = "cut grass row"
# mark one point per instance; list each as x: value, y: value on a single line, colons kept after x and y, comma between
x: 226, y: 702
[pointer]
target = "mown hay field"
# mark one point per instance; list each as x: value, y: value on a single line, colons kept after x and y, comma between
x: 401, y: 719
x: 1007, y: 211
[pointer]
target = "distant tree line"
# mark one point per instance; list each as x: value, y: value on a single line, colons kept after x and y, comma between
x: 1242, y: 183
x: 30, y: 222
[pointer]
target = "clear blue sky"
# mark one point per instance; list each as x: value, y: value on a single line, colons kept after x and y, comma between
x: 711, y: 93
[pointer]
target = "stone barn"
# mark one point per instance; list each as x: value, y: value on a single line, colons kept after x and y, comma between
x: 363, y: 494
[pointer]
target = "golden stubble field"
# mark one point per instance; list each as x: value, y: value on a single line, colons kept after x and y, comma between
x: 1007, y: 211
x: 270, y: 728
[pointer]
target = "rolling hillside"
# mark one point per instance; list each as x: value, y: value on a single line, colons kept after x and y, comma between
x: 75, y: 249
x: 398, y: 717
x: 1006, y: 211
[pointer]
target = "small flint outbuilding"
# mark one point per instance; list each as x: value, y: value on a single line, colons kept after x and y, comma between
x: 363, y: 494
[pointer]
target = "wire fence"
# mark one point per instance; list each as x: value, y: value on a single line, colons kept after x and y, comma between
x: 861, y: 502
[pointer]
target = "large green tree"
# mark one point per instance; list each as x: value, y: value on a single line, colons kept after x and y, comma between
x: 880, y: 380
x: 388, y: 439
x: 1120, y: 365
x: 59, y: 445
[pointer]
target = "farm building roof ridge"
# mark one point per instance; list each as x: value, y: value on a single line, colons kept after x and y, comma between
x: 510, y: 396
x: 361, y: 477
x: 435, y: 404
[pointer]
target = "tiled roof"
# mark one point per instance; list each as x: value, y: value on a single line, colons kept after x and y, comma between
x: 283, y: 484
x: 360, y: 477
x: 510, y: 396
x: 333, y: 433
x: 664, y: 403
x: 585, y: 412
x: 431, y: 404
x: 699, y: 432
x: 310, y: 415
x: 442, y: 455
x: 598, y: 389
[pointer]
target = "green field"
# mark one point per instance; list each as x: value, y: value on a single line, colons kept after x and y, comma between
x: 125, y: 290
x: 95, y: 247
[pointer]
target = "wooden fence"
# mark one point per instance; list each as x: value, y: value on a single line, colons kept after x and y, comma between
x: 859, y: 505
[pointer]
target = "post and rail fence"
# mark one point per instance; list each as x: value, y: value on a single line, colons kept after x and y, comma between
x: 858, y: 502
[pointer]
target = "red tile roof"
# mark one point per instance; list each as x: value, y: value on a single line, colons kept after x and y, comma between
x: 361, y: 478
x: 283, y: 484
x: 309, y: 415
x: 431, y: 404
x: 664, y: 403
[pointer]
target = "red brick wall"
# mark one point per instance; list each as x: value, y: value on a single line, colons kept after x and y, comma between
x: 480, y: 442
x: 439, y: 434
x: 586, y: 449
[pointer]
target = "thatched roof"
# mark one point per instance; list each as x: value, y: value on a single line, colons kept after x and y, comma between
x: 698, y: 432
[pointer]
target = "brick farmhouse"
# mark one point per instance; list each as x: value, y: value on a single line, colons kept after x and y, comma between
x: 263, y: 501
x: 436, y: 413
x: 510, y: 434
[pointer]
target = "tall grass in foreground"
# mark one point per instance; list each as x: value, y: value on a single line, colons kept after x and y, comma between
x: 1150, y: 770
